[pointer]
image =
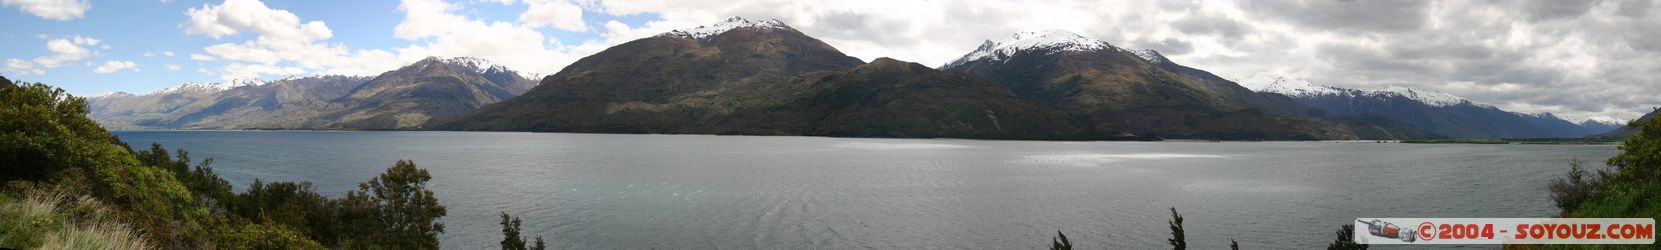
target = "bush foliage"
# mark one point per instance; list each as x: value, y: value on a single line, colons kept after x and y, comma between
x: 52, y: 150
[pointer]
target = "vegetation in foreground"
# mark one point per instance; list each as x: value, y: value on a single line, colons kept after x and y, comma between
x: 76, y: 186
x: 1629, y: 188
x: 1179, y: 239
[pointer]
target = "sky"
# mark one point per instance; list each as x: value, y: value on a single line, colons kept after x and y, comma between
x: 1578, y: 59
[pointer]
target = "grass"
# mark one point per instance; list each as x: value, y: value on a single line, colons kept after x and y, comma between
x: 52, y: 220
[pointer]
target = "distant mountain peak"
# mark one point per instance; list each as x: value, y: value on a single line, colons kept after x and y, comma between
x: 1285, y: 85
x: 706, y: 31
x: 480, y: 65
x: 111, y: 94
x: 1043, y: 40
x: 1428, y: 97
x: 1298, y: 87
x: 1602, y: 120
x: 199, y: 87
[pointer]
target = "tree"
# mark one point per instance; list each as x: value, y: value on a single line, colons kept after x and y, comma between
x: 1177, y: 240
x: 1346, y: 240
x: 47, y: 131
x: 1568, y: 193
x: 394, y: 210
x: 539, y: 245
x: 1640, y: 158
x: 1233, y: 244
x: 1060, y: 242
x: 510, y: 233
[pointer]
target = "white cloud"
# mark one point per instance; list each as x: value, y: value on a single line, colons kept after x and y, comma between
x: 201, y: 57
x: 232, y: 16
x: 66, y: 51
x: 61, y: 10
x: 168, y: 53
x: 149, y: 54
x: 561, y: 14
x: 444, y: 33
x: 248, y: 52
x: 284, y: 44
x: 250, y: 71
x: 113, y: 66
x: 174, y: 67
x: 23, y: 67
x: 80, y: 40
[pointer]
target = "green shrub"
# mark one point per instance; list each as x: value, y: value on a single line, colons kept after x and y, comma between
x: 263, y: 236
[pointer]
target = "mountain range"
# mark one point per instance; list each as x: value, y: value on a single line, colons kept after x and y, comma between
x: 762, y: 77
x: 1119, y: 90
x: 1441, y: 113
x: 765, y: 78
x: 1623, y: 131
x: 405, y: 98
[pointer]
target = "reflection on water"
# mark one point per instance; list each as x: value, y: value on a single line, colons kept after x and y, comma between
x: 587, y: 191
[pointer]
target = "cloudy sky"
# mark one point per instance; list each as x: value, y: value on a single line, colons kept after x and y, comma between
x: 1579, y: 58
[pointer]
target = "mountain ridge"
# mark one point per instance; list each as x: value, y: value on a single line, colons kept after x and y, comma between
x: 302, y: 102
x: 1441, y: 113
x: 764, y: 78
x: 1142, y: 92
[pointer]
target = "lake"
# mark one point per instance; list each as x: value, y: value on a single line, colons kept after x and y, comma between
x: 601, y: 191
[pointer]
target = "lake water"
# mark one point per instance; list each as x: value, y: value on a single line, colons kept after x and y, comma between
x: 594, y: 191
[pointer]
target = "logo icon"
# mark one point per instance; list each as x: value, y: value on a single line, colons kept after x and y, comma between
x: 1390, y: 231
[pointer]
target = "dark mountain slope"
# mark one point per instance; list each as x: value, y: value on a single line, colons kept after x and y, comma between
x: 1138, y: 92
x: 764, y: 78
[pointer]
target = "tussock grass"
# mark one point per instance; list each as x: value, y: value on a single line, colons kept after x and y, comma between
x: 44, y: 219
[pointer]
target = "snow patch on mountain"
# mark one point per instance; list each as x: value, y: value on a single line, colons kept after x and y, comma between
x: 707, y: 31
x: 110, y: 94
x: 1050, y: 41
x: 1150, y: 55
x: 477, y: 64
x: 1286, y: 86
x: 484, y: 66
x: 1303, y: 88
x: 197, y: 87
x: 1602, y: 120
x: 1438, y: 99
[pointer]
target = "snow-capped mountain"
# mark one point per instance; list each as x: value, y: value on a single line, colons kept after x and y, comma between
x: 1143, y: 92
x: 706, y: 31
x: 1622, y: 131
x: 1438, y: 112
x: 1050, y: 41
x: 199, y: 87
x: 1150, y: 55
x: 1602, y: 123
x: 111, y: 94
x: 1296, y: 87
